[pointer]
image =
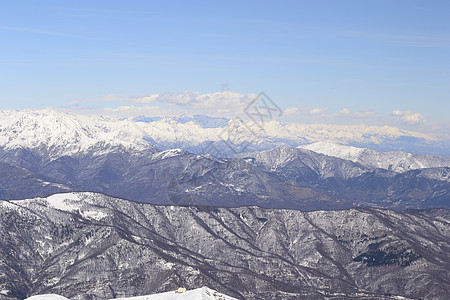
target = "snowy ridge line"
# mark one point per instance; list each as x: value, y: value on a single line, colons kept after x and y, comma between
x: 397, y: 161
x: 91, y: 203
x: 57, y: 134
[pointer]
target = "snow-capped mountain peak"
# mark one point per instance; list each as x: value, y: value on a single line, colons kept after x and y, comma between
x: 396, y: 161
x: 53, y: 134
x: 58, y: 134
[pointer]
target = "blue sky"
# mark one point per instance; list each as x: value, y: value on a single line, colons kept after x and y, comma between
x: 314, y: 57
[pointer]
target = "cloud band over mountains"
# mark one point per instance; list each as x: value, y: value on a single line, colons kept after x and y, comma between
x: 232, y: 104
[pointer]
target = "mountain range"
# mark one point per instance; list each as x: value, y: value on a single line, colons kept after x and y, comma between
x: 126, y: 207
x: 49, y: 129
x: 92, y: 246
x: 45, y: 153
x: 284, y: 177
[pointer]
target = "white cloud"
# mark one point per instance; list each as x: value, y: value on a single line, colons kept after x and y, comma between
x: 144, y: 99
x: 416, y: 118
x: 345, y: 112
x: 292, y: 111
x: 224, y: 103
x: 225, y: 100
x: 323, y: 112
x: 368, y: 113
x: 129, y: 108
x: 397, y: 112
x: 408, y: 117
x: 317, y: 111
x: 305, y: 110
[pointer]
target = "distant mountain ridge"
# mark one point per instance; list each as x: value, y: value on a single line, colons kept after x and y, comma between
x: 284, y: 177
x: 47, y: 130
x: 393, y: 161
x: 52, y: 135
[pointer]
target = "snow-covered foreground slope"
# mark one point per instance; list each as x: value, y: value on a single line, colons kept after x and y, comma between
x: 47, y: 297
x: 203, y: 293
x: 91, y: 246
x: 394, y: 161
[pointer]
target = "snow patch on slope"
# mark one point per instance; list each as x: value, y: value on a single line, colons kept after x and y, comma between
x: 66, y: 201
x: 203, y: 293
x: 168, y: 153
x: 94, y: 214
x: 47, y: 297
